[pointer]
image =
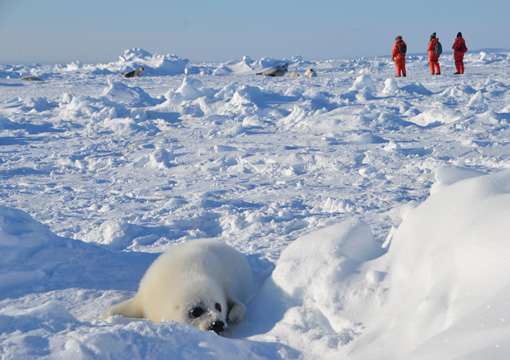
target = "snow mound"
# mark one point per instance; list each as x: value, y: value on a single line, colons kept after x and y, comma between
x: 309, y: 287
x: 390, y: 87
x: 189, y: 89
x: 153, y: 64
x: 242, y: 67
x: 111, y: 233
x: 265, y: 62
x: 447, y: 277
x: 450, y: 174
x: 477, y: 102
x: 118, y: 92
x: 20, y: 238
x: 364, y: 83
x: 34, y: 259
x: 159, y: 65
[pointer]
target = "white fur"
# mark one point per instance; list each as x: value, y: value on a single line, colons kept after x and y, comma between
x: 199, y: 273
x: 310, y: 73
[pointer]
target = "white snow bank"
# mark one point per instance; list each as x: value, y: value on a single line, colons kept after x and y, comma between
x: 447, y: 283
x: 249, y: 66
x: 232, y: 67
x: 137, y: 58
x: 364, y: 82
x: 111, y: 233
x: 390, y: 87
x: 21, y: 237
x: 117, y: 109
x: 190, y: 89
x: 477, y: 102
x: 34, y: 259
x: 118, y: 92
x: 450, y: 174
x: 153, y: 64
x: 308, y: 291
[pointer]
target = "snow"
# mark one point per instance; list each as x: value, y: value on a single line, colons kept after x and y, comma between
x: 373, y: 210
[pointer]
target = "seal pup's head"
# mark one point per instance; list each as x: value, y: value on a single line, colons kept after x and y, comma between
x: 201, y: 303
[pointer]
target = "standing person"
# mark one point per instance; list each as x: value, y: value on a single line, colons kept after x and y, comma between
x: 398, y: 55
x: 459, y: 49
x: 433, y: 55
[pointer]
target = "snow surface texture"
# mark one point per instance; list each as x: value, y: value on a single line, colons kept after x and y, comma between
x: 374, y: 212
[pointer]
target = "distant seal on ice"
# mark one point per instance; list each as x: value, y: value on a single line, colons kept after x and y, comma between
x: 134, y: 73
x: 310, y: 73
x: 205, y: 283
x: 275, y: 71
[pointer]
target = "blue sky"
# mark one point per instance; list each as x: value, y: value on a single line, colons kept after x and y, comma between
x: 92, y: 31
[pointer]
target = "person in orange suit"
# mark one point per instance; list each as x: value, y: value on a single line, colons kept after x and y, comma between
x: 433, y: 58
x: 459, y: 49
x: 398, y: 55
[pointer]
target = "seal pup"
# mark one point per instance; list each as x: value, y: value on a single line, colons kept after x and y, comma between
x: 310, y: 73
x: 275, y: 71
x: 205, y: 283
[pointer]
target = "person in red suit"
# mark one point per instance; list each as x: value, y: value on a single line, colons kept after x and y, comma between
x: 459, y: 49
x: 433, y: 58
x: 398, y: 55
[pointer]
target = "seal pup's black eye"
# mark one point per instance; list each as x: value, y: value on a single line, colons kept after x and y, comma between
x: 196, y: 312
x: 217, y: 306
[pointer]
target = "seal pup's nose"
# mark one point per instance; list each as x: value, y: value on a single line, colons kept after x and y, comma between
x: 217, y: 326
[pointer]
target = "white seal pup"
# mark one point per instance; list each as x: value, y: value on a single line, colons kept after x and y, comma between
x: 310, y: 73
x: 205, y: 283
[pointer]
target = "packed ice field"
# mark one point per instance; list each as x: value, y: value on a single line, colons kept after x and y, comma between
x: 374, y: 211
